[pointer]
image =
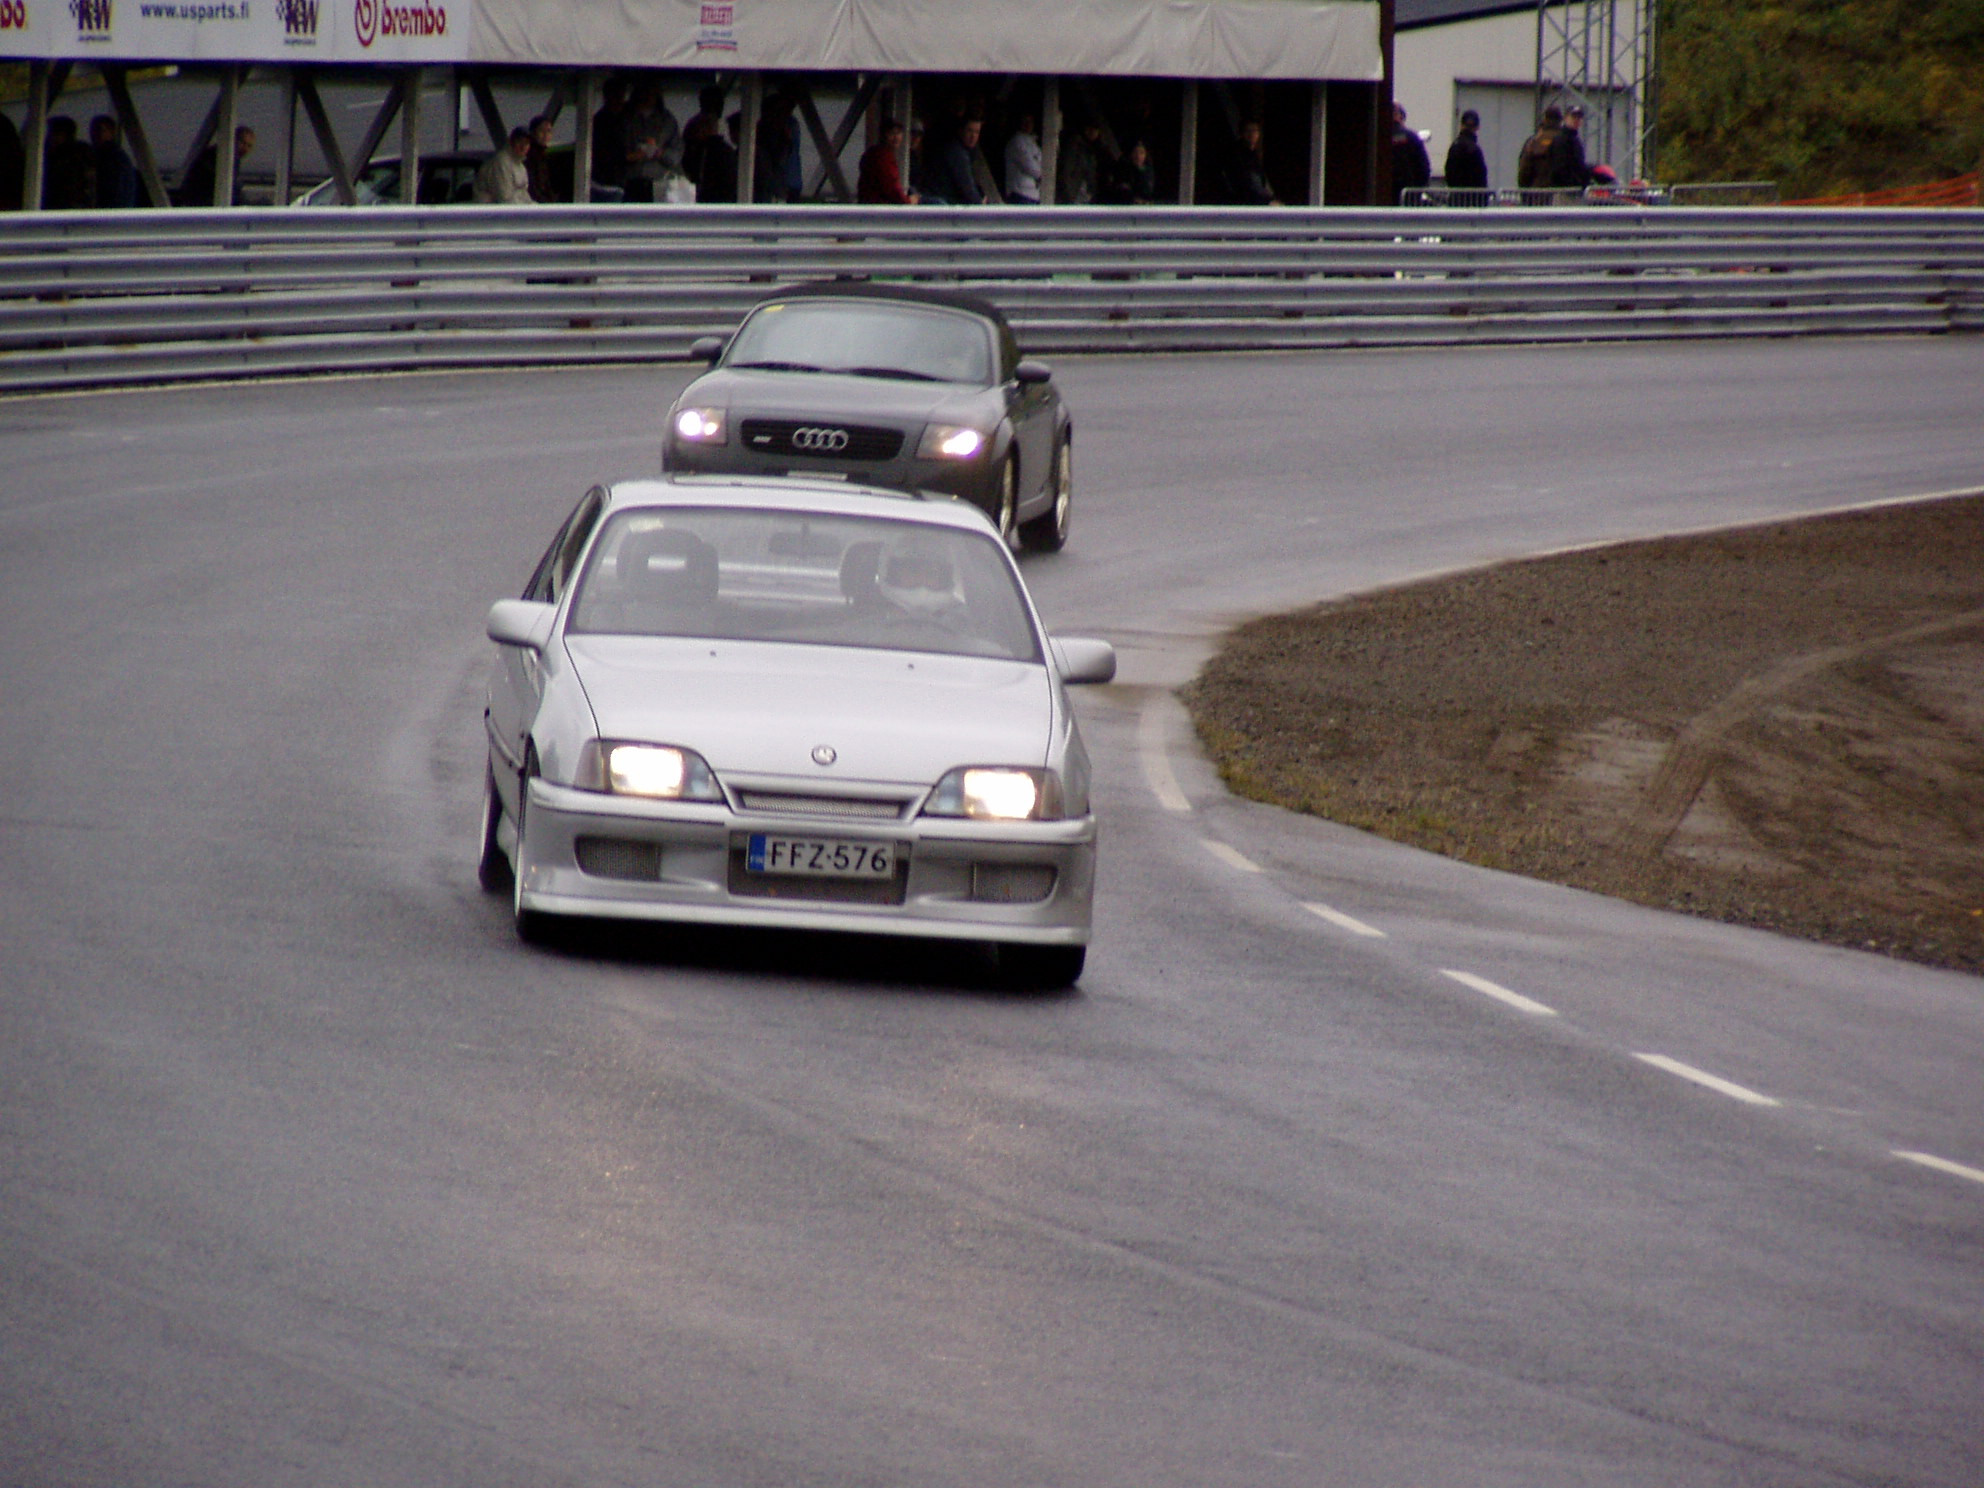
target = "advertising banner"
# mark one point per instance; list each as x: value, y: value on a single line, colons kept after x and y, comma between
x: 237, y: 30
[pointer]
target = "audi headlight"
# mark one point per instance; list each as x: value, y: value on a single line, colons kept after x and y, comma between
x: 986, y: 793
x: 657, y: 771
x: 699, y: 425
x: 950, y: 442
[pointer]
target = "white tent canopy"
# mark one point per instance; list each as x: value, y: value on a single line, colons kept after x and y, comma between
x: 1334, y: 40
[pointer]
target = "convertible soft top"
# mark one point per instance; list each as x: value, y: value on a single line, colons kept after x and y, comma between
x: 865, y: 289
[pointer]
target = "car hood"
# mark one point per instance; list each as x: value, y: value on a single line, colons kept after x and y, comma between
x: 817, y: 394
x: 754, y: 708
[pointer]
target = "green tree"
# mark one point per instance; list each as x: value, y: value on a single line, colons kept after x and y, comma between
x: 1824, y: 97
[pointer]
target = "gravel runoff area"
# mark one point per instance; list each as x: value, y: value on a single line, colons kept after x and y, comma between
x: 1779, y: 725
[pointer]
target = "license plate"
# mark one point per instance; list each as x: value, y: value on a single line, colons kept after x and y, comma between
x: 819, y: 857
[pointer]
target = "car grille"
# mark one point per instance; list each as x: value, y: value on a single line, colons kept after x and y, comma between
x: 615, y: 857
x: 820, y: 439
x: 839, y: 808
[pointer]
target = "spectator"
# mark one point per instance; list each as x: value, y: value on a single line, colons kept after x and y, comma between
x: 504, y: 179
x: 1133, y: 180
x: 654, y: 144
x: 1411, y: 170
x: 68, y: 169
x: 1023, y: 165
x: 952, y: 179
x: 537, y: 164
x: 1244, y: 180
x: 1081, y: 165
x: 1533, y: 164
x: 880, y: 183
x: 116, y: 176
x: 13, y: 166
x: 1467, y: 167
x: 1567, y: 163
x: 609, y: 138
x: 711, y: 161
x: 197, y: 190
x: 779, y: 175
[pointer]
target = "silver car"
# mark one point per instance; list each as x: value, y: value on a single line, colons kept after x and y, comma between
x: 791, y: 703
x: 889, y: 385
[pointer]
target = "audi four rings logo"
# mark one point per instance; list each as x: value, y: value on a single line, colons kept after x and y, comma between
x: 820, y: 441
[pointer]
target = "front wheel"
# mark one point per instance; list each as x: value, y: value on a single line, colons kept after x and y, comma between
x: 1008, y: 515
x: 1041, y: 968
x: 1048, y: 532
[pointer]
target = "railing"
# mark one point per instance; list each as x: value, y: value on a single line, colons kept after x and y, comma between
x: 98, y: 299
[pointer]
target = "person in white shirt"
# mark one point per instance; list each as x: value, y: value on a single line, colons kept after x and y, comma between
x: 504, y: 179
x: 1023, y: 165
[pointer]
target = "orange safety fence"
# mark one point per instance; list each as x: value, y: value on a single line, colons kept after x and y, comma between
x: 1963, y: 191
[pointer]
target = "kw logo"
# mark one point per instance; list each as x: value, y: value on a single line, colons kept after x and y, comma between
x: 299, y: 19
x: 92, y: 19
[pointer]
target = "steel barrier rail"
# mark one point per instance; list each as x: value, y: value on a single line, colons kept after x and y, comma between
x: 96, y: 299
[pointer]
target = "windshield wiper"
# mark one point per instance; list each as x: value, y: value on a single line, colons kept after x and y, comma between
x: 899, y: 372
x: 778, y: 366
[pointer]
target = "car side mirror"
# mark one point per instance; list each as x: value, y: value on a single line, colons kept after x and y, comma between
x: 520, y: 622
x: 1030, y: 373
x: 706, y: 348
x: 1080, y: 659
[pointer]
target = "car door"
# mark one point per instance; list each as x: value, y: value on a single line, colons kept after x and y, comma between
x: 1031, y: 407
x: 515, y: 682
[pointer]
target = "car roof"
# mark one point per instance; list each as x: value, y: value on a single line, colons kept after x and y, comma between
x: 796, y: 494
x: 862, y: 289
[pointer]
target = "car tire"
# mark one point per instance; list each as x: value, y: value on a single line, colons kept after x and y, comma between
x: 1041, y: 968
x: 533, y: 926
x: 1006, y: 516
x: 1048, y: 532
x: 493, y: 871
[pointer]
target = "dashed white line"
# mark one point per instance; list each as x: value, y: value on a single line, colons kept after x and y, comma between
x: 1941, y: 1165
x: 1343, y: 921
x: 1156, y: 762
x: 1501, y: 994
x: 1229, y: 857
x: 1708, y: 1081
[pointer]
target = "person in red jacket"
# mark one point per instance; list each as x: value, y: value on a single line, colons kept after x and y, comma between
x: 881, y: 171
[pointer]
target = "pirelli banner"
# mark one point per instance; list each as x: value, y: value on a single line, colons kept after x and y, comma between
x: 237, y: 30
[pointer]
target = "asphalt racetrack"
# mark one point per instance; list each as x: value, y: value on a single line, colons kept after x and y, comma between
x: 1344, y: 1164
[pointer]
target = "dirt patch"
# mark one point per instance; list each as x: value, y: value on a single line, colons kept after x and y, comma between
x: 1780, y: 726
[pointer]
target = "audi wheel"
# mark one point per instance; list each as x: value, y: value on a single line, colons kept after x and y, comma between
x: 1048, y: 532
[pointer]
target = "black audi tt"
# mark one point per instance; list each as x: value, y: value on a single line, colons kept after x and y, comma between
x: 886, y: 385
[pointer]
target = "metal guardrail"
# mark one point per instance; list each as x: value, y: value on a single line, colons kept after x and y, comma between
x: 103, y: 299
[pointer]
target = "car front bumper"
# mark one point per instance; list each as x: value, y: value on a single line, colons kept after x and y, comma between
x: 975, y: 480
x: 613, y: 857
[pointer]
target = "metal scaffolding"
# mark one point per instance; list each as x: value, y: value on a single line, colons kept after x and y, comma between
x: 1599, y: 53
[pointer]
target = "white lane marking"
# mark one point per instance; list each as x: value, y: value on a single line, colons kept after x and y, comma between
x: 1706, y: 1080
x: 1343, y: 921
x: 1501, y: 994
x: 1942, y: 1165
x: 1229, y: 857
x: 1156, y: 762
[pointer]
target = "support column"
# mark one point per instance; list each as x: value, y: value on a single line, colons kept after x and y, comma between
x: 327, y: 140
x: 588, y: 105
x: 34, y: 139
x: 228, y: 121
x: 286, y: 153
x: 410, y: 140
x: 117, y: 83
x: 906, y: 111
x: 1188, y: 144
x: 747, y: 137
x: 1051, y: 124
x: 1319, y: 138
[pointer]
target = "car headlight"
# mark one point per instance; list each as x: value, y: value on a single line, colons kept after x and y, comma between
x: 950, y: 442
x: 699, y: 425
x: 657, y: 771
x: 986, y: 793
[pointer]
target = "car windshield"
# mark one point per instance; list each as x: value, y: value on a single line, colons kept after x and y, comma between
x: 872, y: 338
x: 760, y: 575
